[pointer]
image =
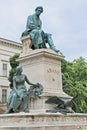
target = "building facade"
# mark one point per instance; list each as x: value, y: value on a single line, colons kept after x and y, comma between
x: 7, y: 49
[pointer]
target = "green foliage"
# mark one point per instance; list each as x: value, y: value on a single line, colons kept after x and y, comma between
x: 13, y: 61
x: 75, y: 81
x: 13, y: 64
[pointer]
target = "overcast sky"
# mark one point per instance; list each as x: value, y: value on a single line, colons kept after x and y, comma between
x: 66, y: 20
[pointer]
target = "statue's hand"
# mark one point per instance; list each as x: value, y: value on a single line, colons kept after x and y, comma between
x: 37, y: 84
x: 38, y: 28
x: 17, y: 94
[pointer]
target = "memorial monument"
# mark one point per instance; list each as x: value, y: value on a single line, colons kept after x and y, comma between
x: 51, y: 109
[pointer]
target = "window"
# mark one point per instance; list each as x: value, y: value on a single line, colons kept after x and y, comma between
x: 4, y: 95
x: 4, y: 69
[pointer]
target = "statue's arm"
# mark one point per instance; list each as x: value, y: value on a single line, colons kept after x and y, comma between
x: 26, y: 79
x: 31, y: 24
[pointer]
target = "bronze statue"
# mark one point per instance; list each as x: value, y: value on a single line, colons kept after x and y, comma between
x: 34, y: 29
x: 64, y: 106
x: 19, y: 97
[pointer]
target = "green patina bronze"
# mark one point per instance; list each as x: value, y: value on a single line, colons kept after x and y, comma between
x: 19, y: 98
x: 63, y: 105
x: 34, y: 29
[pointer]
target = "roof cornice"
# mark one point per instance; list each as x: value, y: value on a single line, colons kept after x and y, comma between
x: 6, y: 41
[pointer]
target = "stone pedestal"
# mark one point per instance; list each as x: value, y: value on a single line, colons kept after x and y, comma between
x: 43, y: 121
x: 42, y: 66
x: 27, y: 43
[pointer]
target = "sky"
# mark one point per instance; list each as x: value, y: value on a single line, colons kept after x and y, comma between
x: 66, y: 20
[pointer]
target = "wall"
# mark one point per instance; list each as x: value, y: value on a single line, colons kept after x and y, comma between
x: 7, y: 49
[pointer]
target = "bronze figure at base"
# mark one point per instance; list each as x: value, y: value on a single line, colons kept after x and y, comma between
x: 19, y: 97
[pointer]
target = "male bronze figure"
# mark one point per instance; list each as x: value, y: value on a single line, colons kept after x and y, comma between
x: 34, y: 29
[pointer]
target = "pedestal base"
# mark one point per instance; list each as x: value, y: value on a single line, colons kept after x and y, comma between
x: 47, y: 121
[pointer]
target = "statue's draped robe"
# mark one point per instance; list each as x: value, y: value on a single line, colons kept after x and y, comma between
x: 34, y: 25
x: 38, y: 36
x: 14, y: 101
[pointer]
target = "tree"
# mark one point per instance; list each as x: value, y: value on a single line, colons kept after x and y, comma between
x: 13, y: 64
x: 75, y: 81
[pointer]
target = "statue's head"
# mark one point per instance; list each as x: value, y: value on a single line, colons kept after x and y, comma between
x: 39, y: 10
x: 18, y: 69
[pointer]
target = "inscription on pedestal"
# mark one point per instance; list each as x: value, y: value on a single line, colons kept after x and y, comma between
x: 50, y: 70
